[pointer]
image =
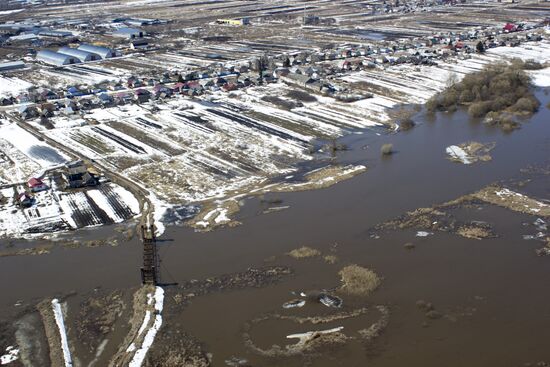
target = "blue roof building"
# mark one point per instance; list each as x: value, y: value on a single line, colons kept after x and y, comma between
x: 56, y: 58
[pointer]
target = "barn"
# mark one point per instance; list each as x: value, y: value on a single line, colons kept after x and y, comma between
x: 56, y: 58
x: 103, y: 52
x: 83, y: 56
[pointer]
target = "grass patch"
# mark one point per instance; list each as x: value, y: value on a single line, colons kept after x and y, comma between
x: 499, y: 92
x: 358, y: 281
x: 304, y: 252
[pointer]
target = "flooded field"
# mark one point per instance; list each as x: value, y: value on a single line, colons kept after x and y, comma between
x: 443, y: 299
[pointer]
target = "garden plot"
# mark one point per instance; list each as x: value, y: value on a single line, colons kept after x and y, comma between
x: 188, y: 150
x: 54, y: 210
x: 12, y: 86
x: 531, y: 51
x: 417, y: 84
x: 23, y: 155
x: 326, y: 117
x: 14, y: 165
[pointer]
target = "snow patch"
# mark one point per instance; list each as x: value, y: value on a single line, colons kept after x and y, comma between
x: 12, y: 354
x: 58, y: 314
x: 458, y: 153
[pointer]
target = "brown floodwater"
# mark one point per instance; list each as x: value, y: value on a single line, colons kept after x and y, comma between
x: 493, y: 294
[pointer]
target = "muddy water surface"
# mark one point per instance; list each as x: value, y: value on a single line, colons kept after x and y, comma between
x: 491, y: 294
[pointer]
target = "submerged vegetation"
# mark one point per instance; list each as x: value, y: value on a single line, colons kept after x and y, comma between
x: 497, y: 93
x: 358, y: 281
x: 386, y: 149
x: 304, y: 252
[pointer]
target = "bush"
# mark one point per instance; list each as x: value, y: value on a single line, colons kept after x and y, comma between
x: 466, y: 96
x: 432, y: 105
x: 497, y: 88
x: 407, y: 124
x: 386, y: 149
x: 526, y: 105
x: 479, y: 109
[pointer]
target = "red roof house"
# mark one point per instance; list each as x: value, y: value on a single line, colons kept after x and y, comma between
x: 36, y: 184
x: 509, y: 27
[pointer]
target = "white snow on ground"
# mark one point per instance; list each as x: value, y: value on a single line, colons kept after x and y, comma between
x: 33, y: 148
x: 58, y: 314
x: 128, y: 198
x: 457, y: 152
x: 12, y: 354
x: 6, y: 12
x: 541, y: 78
x: 507, y: 193
x: 101, y: 200
x: 53, y: 208
x: 139, y: 356
x: 11, y: 86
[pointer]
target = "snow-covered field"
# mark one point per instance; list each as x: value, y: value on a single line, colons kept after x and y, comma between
x: 12, y: 86
x: 54, y: 210
x: 22, y: 155
x: 417, y: 84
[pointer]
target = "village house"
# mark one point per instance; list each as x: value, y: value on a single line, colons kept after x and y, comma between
x: 142, y: 95
x: 77, y: 175
x: 36, y: 185
x: 25, y: 200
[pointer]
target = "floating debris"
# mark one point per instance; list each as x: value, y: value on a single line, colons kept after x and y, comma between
x: 540, y: 224
x: 310, y: 335
x: 236, y: 362
x: 295, y: 303
x: 330, y: 301
x: 423, y: 234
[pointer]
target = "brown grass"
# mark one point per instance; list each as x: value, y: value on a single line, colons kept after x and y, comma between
x: 358, y: 281
x: 304, y: 252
